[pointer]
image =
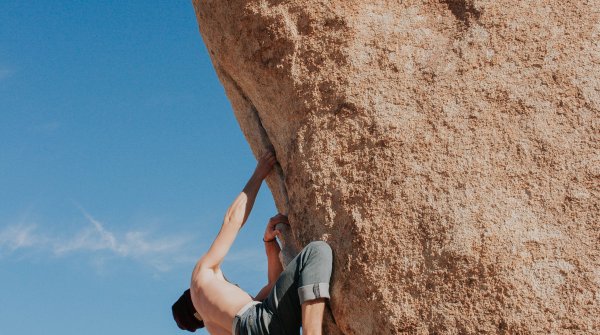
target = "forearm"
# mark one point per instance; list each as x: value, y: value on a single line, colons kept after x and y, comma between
x: 274, y: 265
x: 274, y: 270
x: 252, y: 187
x: 237, y: 214
x: 241, y: 207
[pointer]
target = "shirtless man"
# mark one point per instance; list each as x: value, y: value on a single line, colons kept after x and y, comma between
x: 292, y: 297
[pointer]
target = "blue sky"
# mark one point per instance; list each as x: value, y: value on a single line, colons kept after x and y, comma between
x: 119, y: 154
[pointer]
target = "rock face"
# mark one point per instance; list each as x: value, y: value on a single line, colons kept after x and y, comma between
x: 448, y: 150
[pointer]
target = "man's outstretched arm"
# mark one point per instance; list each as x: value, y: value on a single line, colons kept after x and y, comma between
x: 237, y: 214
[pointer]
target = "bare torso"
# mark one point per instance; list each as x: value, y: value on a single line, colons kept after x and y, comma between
x: 216, y: 300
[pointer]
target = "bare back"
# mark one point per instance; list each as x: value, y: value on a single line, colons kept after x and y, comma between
x: 216, y: 300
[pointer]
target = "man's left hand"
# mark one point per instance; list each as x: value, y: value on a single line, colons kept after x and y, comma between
x: 265, y: 165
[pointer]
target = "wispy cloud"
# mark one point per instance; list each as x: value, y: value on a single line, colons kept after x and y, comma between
x: 18, y: 237
x: 161, y: 253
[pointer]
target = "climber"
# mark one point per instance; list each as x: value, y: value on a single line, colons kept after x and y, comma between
x: 292, y: 298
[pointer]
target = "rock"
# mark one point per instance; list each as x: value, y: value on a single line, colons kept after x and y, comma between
x: 449, y: 151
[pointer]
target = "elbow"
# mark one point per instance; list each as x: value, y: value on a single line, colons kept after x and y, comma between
x: 235, y: 215
x: 232, y: 222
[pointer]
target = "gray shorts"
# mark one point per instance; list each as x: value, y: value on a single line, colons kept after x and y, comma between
x: 248, y: 313
x: 305, y: 278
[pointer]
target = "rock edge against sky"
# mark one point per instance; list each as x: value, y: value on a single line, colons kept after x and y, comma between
x: 447, y: 150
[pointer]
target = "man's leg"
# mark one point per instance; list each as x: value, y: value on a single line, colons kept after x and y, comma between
x: 312, y: 316
x: 300, y: 292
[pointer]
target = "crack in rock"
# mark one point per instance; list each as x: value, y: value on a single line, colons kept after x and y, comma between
x: 289, y: 246
x: 463, y: 10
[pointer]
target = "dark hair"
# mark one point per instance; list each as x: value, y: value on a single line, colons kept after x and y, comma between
x: 183, y: 313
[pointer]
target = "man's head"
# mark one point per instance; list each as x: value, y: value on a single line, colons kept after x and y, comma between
x: 183, y: 313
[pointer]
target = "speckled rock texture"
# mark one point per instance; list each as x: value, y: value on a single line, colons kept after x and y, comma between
x: 449, y: 151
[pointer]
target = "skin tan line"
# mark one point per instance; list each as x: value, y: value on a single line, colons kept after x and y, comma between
x: 214, y: 298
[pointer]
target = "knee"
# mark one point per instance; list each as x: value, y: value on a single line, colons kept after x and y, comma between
x: 320, y: 249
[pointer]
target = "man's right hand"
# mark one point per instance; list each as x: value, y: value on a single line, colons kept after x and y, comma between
x: 265, y: 165
x: 271, y: 232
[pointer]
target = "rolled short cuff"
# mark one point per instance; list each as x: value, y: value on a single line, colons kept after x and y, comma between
x: 313, y: 291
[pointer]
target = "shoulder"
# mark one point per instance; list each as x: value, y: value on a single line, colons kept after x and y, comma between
x: 203, y: 273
